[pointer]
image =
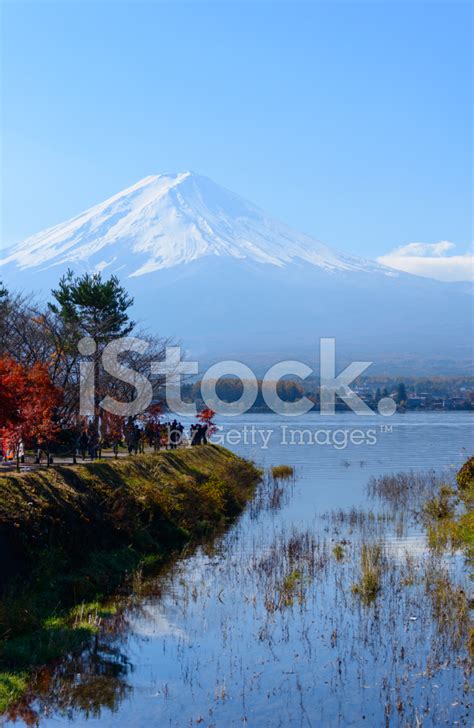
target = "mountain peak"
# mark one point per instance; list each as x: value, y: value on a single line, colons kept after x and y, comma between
x: 167, y: 220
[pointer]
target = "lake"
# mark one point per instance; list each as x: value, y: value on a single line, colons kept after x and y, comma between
x: 262, y: 627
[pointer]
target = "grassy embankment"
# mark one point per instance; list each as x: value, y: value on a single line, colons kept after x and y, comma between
x: 69, y: 536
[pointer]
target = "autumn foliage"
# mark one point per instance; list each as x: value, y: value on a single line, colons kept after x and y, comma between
x: 206, y: 416
x: 28, y: 399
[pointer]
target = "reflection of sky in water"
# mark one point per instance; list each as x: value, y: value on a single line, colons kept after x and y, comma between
x: 207, y: 651
x: 153, y: 623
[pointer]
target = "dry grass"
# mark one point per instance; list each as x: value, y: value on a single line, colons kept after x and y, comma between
x: 470, y: 643
x: 410, y: 489
x: 449, y: 605
x: 282, y: 472
x: 370, y: 580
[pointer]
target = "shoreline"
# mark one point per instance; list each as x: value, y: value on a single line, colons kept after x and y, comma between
x: 71, y: 535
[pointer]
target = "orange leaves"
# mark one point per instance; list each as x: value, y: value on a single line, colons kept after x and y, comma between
x: 28, y: 399
x: 206, y: 415
x: 207, y: 418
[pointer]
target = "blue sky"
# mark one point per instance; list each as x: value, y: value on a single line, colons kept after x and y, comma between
x: 350, y: 121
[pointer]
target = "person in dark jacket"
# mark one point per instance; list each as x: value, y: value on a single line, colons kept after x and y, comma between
x: 83, y: 444
x: 93, y: 443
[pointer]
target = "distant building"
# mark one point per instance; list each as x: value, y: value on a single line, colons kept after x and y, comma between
x: 416, y: 402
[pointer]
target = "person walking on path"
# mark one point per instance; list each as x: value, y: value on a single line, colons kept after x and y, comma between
x: 83, y: 444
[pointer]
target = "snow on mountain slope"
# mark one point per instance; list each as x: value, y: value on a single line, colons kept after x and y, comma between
x: 167, y: 220
x: 207, y: 266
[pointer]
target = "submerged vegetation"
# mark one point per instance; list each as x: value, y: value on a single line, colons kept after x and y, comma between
x: 447, y: 513
x: 359, y: 596
x: 449, y: 604
x: 338, y: 552
x: 369, y: 583
x: 404, y: 490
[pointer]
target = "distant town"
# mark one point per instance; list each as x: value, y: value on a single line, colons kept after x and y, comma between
x: 411, y: 394
x: 425, y: 394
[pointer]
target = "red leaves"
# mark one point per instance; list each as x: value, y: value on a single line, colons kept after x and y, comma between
x: 28, y: 399
x: 11, y: 376
x: 152, y: 415
x: 112, y: 427
x: 207, y: 416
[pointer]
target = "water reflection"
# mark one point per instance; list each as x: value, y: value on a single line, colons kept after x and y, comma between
x: 85, y: 685
x: 262, y: 626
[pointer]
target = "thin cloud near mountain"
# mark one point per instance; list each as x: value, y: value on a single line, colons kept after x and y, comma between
x: 431, y: 260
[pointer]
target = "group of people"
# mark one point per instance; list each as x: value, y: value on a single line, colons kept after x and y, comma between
x: 89, y: 443
x: 168, y: 435
x: 199, y: 434
x: 172, y: 434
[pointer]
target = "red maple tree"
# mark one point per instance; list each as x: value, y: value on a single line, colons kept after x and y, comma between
x: 11, y: 378
x: 28, y: 399
x: 206, y: 416
x: 151, y: 420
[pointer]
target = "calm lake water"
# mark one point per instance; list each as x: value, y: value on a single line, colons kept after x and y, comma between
x: 261, y: 628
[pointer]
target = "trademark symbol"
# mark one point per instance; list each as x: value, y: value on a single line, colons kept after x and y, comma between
x: 386, y: 428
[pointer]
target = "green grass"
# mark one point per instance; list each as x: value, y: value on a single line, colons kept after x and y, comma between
x: 12, y: 687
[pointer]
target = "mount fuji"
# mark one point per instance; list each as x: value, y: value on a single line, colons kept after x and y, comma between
x: 230, y: 281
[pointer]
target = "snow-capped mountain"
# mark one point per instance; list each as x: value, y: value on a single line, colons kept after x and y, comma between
x: 227, y: 279
x: 167, y: 220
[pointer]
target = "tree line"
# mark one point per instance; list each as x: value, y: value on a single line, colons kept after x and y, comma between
x: 40, y: 360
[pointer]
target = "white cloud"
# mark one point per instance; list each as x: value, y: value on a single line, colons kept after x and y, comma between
x: 425, y: 249
x: 431, y: 261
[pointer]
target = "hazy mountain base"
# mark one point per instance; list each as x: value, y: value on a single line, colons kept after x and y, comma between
x: 262, y: 314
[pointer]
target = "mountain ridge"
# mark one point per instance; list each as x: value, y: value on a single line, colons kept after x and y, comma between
x: 171, y: 219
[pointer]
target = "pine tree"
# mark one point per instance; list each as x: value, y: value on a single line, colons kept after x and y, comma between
x: 91, y: 307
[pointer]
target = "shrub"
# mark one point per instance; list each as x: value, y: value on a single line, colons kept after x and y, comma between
x: 282, y: 472
x: 465, y: 477
x: 441, y: 506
